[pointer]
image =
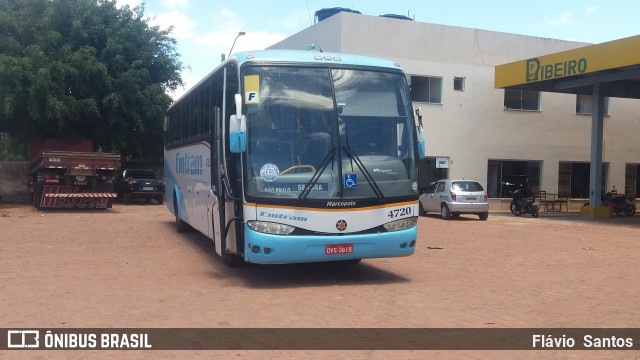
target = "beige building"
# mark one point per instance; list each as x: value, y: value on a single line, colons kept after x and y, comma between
x: 476, y: 131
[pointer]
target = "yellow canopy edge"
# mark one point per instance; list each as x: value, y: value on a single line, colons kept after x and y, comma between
x: 585, y: 60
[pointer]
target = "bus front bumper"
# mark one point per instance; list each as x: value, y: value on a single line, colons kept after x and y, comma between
x: 263, y: 248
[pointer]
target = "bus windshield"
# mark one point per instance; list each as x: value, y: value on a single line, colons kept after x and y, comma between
x: 322, y: 133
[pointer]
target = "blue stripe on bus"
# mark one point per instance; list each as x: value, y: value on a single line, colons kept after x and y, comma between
x: 172, y: 185
x: 301, y: 249
x: 300, y: 56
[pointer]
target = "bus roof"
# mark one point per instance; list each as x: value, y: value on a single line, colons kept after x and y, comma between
x: 296, y: 57
x: 311, y: 57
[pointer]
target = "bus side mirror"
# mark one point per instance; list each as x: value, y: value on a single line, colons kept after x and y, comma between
x: 238, y: 129
x: 422, y: 147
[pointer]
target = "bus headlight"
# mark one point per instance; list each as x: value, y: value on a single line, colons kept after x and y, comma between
x: 401, y: 224
x: 270, y: 227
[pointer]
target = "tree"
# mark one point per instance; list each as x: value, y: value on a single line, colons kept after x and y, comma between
x: 11, y: 149
x: 86, y: 69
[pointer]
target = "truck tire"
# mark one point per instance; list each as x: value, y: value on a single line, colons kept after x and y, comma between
x: 160, y: 199
x: 37, y: 197
x: 126, y: 198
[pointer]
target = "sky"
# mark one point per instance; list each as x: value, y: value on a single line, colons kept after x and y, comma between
x: 205, y: 29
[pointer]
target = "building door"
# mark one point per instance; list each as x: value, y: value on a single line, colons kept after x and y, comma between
x: 433, y: 169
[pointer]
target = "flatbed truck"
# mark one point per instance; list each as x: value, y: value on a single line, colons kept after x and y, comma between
x: 73, y: 179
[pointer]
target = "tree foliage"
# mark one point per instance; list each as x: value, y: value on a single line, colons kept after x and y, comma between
x: 11, y: 149
x: 85, y: 69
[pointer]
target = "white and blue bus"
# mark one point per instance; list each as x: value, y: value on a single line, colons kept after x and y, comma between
x: 283, y: 156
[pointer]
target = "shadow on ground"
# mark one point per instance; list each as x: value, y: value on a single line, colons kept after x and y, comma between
x: 573, y: 216
x: 293, y: 275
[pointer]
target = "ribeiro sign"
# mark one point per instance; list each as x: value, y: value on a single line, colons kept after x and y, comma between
x: 574, y: 63
x: 536, y: 71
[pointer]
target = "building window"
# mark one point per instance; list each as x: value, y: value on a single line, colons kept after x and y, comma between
x: 584, y: 104
x: 573, y: 177
x: 458, y: 83
x: 426, y: 89
x: 632, y: 180
x: 515, y: 99
x: 506, y: 176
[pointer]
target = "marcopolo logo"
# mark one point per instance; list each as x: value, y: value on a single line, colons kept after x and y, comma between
x: 537, y: 71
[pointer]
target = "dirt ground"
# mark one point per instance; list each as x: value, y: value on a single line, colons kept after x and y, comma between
x: 127, y: 267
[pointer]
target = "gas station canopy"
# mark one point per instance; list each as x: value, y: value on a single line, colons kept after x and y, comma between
x: 610, y: 69
x: 615, y: 65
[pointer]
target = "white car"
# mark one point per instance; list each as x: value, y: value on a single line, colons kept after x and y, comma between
x: 454, y: 197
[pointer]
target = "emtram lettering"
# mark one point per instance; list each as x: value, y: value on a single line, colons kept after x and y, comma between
x: 189, y: 164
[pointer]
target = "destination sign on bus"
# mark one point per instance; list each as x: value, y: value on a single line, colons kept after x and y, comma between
x: 295, y: 187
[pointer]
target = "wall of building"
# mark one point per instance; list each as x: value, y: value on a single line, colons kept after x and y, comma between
x: 471, y: 126
x: 13, y: 181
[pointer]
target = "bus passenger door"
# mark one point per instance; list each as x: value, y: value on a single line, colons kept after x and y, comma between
x: 217, y: 190
x: 212, y: 208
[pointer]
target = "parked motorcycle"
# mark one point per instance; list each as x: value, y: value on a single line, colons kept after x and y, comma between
x: 524, y: 202
x: 622, y: 204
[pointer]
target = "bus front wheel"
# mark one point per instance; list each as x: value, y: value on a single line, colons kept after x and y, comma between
x: 181, y: 226
x: 231, y: 260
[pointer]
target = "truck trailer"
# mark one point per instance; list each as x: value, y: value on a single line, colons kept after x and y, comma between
x: 67, y: 174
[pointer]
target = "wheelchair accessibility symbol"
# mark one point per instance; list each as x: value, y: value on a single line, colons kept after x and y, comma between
x: 350, y: 181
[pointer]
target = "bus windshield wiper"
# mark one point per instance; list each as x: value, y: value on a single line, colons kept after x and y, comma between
x: 316, y: 176
x: 347, y: 149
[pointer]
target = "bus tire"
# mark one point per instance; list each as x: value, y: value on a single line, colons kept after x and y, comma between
x: 181, y: 226
x: 231, y: 260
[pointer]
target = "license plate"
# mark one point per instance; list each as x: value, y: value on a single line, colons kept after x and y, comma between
x: 336, y: 249
x: 472, y: 198
x: 147, y: 188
